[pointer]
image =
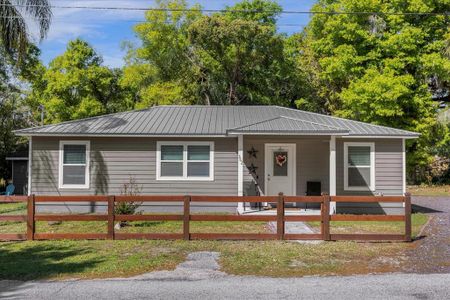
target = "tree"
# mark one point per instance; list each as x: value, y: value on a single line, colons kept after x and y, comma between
x: 76, y: 85
x: 14, y: 34
x: 378, y: 67
x: 239, y: 61
x: 233, y: 57
x: 13, y: 114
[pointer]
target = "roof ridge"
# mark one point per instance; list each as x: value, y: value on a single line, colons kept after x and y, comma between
x: 83, y: 119
x: 343, y: 119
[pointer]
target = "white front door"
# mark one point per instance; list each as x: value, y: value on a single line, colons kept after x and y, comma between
x: 280, y: 169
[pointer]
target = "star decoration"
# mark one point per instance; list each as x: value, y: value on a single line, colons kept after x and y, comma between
x: 252, y: 152
x: 252, y: 168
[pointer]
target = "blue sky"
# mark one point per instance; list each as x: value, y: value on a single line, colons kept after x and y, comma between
x: 106, y: 30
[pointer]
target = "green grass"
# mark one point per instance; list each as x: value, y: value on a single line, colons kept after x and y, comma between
x: 417, y: 222
x: 100, y: 259
x: 13, y: 208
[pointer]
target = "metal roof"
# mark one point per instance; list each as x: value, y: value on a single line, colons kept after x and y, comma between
x: 287, y: 125
x: 199, y: 120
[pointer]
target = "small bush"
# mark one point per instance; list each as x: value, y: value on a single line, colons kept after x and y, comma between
x: 130, y: 188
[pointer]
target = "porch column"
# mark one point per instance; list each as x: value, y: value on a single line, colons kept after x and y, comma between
x: 240, y: 162
x: 30, y: 164
x: 404, y: 169
x: 332, y: 172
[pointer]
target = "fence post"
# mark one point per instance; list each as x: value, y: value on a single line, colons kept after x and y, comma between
x: 186, y: 217
x: 111, y: 215
x: 325, y: 211
x: 31, y: 209
x: 280, y: 216
x: 408, y: 217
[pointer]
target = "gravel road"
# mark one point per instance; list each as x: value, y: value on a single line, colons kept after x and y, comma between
x: 432, y: 253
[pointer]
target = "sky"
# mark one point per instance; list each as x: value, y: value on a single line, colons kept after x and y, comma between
x: 105, y: 30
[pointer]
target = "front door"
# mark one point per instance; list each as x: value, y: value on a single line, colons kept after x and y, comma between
x: 280, y: 170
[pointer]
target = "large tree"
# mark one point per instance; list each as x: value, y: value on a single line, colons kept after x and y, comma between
x: 378, y: 67
x: 77, y: 85
x: 233, y: 57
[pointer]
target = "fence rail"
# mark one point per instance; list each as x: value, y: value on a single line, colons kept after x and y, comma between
x: 187, y: 217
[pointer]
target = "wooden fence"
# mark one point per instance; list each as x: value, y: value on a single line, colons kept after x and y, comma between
x: 187, y: 217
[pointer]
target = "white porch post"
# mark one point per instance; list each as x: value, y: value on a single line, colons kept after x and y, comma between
x: 404, y: 166
x: 404, y: 169
x: 333, y: 172
x: 30, y: 163
x: 240, y: 162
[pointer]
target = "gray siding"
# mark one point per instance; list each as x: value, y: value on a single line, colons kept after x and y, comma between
x: 388, y: 175
x: 312, y: 160
x: 114, y: 160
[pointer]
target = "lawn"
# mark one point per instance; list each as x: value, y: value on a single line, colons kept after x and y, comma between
x: 417, y: 221
x: 429, y: 190
x: 100, y: 259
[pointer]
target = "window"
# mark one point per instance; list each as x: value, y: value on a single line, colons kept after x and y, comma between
x: 359, y: 166
x: 74, y: 164
x: 185, y: 161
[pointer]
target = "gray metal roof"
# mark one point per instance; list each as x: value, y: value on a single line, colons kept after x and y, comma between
x: 212, y: 121
x: 287, y: 125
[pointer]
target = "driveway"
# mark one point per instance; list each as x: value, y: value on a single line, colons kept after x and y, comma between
x: 432, y: 252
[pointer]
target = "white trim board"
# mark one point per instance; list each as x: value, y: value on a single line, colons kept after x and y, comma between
x: 61, y: 164
x: 30, y: 165
x: 372, y: 186
x: 185, y: 144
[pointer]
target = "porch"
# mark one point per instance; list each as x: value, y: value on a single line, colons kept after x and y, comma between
x: 323, y: 163
x: 295, y: 165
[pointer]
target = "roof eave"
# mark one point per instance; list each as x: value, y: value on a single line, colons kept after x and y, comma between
x: 56, y: 134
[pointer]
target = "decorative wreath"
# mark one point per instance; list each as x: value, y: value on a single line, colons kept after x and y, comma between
x: 281, y: 159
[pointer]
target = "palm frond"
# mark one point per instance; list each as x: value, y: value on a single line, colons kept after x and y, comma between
x: 13, y: 27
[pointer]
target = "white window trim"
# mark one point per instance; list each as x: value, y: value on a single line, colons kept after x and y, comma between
x: 372, y: 167
x: 61, y: 161
x: 185, y: 145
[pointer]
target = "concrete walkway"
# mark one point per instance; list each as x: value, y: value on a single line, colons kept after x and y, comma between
x: 199, y: 278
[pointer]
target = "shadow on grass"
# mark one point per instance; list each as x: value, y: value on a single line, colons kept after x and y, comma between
x: 30, y: 260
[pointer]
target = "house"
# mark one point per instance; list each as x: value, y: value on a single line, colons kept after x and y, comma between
x: 220, y: 150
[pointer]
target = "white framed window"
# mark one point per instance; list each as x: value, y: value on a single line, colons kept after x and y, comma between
x: 359, y: 166
x: 185, y: 161
x: 74, y: 164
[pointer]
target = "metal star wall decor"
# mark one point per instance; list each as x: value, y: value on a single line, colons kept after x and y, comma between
x: 252, y: 169
x: 252, y: 152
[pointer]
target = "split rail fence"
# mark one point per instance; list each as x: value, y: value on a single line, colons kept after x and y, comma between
x: 187, y: 217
